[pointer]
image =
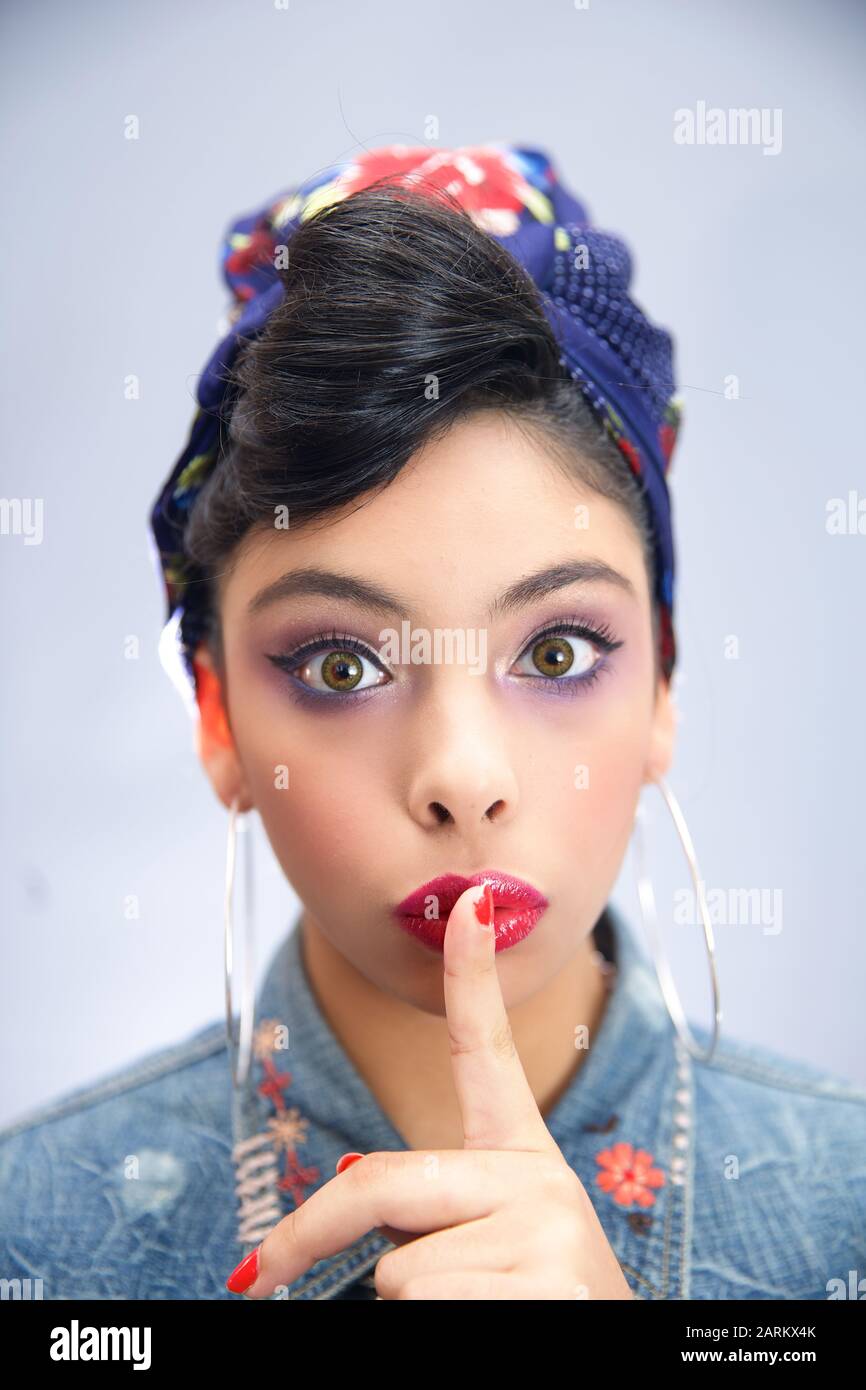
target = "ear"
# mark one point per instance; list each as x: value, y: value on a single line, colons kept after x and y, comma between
x: 213, y: 737
x: 662, y: 733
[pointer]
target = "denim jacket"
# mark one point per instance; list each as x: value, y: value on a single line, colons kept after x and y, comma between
x: 741, y: 1178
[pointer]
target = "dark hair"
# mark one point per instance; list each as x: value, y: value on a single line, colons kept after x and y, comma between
x: 385, y: 292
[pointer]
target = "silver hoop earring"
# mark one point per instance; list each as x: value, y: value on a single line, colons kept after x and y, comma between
x: 648, y: 914
x: 240, y: 1071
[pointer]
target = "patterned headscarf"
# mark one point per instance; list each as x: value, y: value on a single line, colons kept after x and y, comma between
x: 621, y: 362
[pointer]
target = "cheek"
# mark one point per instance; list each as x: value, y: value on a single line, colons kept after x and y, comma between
x: 595, y: 759
x: 319, y: 788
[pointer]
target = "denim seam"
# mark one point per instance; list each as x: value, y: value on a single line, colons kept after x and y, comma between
x: 677, y: 1206
x: 182, y: 1055
x: 673, y: 1188
x: 688, y: 1174
x: 356, y: 1261
x: 755, y: 1071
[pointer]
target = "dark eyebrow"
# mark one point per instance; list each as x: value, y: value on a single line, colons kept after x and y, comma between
x: 329, y: 584
x: 547, y: 581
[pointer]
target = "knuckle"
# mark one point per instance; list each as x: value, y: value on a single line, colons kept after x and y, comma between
x: 414, y: 1290
x: 285, y: 1241
x: 545, y: 1242
x: 499, y: 1042
x: 546, y: 1237
x: 298, y: 1228
x: 387, y: 1275
x: 468, y: 969
x: 502, y: 1040
x: 458, y: 1046
x: 369, y: 1171
x: 561, y: 1182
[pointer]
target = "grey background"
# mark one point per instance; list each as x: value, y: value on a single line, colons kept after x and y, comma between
x: 109, y: 268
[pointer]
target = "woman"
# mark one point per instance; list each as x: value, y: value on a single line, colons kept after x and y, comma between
x: 419, y: 566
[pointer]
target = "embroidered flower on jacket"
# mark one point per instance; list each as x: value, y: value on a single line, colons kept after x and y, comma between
x: 287, y: 1127
x: 628, y: 1174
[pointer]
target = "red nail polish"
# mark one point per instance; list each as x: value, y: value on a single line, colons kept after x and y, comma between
x: 484, y: 908
x: 245, y: 1274
x: 347, y: 1160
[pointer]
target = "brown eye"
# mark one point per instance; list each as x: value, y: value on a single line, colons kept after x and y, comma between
x: 342, y: 670
x: 555, y: 657
x: 339, y: 671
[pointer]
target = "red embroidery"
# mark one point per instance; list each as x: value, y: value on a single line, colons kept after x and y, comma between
x: 628, y: 1174
x: 287, y: 1127
x: 276, y: 1081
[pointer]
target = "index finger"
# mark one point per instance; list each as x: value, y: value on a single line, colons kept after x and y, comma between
x: 405, y: 1191
x: 497, y: 1106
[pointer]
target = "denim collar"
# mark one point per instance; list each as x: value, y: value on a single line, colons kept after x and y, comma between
x: 630, y: 1101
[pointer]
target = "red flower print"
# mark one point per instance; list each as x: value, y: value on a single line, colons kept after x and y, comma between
x: 248, y: 252
x: 631, y: 454
x: 629, y: 1175
x: 491, y: 189
x: 667, y: 439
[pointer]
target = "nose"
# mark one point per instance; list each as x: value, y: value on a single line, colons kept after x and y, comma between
x: 462, y: 773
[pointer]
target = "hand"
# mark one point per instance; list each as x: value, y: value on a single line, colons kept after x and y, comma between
x: 504, y: 1217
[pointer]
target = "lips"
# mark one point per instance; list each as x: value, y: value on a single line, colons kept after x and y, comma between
x: 517, y: 907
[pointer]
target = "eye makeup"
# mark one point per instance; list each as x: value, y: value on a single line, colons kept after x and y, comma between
x: 598, y: 635
x: 323, y: 644
x: 334, y: 641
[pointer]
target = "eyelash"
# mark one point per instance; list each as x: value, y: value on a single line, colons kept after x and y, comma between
x: 599, y: 635
x: 334, y: 640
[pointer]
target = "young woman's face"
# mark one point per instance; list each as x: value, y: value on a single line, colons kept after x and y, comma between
x: 374, y: 772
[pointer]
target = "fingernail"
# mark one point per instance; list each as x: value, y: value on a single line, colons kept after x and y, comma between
x: 245, y: 1273
x: 346, y: 1161
x: 484, y: 907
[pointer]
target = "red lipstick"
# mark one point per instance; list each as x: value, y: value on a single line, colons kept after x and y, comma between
x: 517, y: 907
